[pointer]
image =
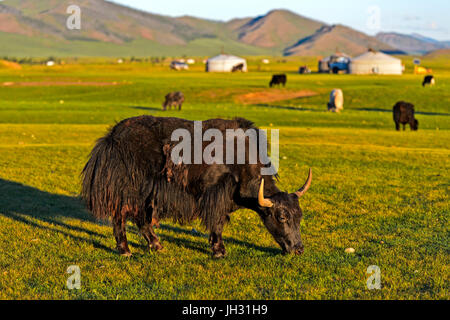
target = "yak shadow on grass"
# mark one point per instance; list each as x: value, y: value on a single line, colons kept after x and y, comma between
x: 192, y: 245
x: 416, y: 112
x: 45, y: 211
x: 288, y: 108
x: 359, y: 109
x: 146, y: 108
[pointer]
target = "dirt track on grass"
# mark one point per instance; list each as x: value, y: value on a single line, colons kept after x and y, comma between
x: 272, y: 95
x: 58, y: 83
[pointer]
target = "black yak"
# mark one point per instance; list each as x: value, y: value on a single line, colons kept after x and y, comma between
x: 428, y: 80
x: 132, y: 175
x: 239, y: 67
x: 278, y: 79
x: 175, y: 99
x: 304, y: 70
x: 403, y: 114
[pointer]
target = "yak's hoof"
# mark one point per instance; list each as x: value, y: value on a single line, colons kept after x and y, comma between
x: 219, y: 254
x: 218, y: 250
x: 123, y: 250
x: 126, y: 254
x: 156, y: 247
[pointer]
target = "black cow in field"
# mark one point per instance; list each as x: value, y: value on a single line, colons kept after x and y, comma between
x: 403, y: 114
x: 304, y: 70
x: 239, y: 67
x: 131, y: 175
x: 429, y: 80
x: 278, y: 79
x: 173, y: 99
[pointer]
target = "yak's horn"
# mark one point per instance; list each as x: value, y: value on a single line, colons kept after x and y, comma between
x: 266, y: 203
x: 305, y: 188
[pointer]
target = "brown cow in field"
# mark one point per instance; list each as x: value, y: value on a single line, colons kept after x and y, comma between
x: 173, y: 99
x: 403, y: 114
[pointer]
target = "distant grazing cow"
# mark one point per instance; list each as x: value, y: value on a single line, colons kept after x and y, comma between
x: 239, y: 67
x: 336, y: 103
x: 403, y: 114
x: 173, y: 99
x: 278, y: 79
x: 304, y: 70
x: 429, y: 80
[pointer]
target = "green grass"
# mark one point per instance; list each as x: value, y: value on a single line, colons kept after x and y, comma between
x: 382, y: 192
x: 25, y: 46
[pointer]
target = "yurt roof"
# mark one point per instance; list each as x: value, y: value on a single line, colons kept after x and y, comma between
x: 375, y: 56
x: 223, y: 57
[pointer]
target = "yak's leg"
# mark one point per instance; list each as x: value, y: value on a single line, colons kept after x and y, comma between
x: 217, y: 246
x: 404, y: 127
x: 216, y: 242
x: 120, y: 234
x: 397, y: 126
x: 149, y: 234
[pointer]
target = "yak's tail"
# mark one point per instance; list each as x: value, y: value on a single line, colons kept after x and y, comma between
x: 101, y: 181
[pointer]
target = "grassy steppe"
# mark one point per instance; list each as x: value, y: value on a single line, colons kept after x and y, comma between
x: 382, y: 192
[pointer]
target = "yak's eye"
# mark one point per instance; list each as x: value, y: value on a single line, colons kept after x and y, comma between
x: 282, y: 218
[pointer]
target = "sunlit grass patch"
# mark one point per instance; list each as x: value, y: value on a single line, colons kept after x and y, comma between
x: 381, y: 192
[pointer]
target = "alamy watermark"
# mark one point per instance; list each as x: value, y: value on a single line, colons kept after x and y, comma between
x: 374, y: 281
x: 237, y: 147
x: 374, y: 19
x: 74, y: 20
x: 74, y: 281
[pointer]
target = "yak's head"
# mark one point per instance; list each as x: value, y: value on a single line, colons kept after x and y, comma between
x: 281, y: 215
x: 415, y: 126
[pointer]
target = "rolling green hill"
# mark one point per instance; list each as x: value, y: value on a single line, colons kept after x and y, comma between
x: 38, y: 28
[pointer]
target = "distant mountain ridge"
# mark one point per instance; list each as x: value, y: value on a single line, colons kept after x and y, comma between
x: 278, y: 28
x: 38, y: 28
x: 336, y: 38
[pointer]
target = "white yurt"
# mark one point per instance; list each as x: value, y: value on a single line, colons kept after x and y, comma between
x: 225, y: 63
x: 376, y: 63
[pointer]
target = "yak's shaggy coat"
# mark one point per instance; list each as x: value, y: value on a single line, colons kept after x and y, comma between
x: 131, y: 175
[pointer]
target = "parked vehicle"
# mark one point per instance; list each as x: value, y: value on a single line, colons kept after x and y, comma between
x: 339, y: 64
x: 177, y: 65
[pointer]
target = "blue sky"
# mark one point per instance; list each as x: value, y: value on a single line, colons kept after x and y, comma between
x: 427, y: 17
